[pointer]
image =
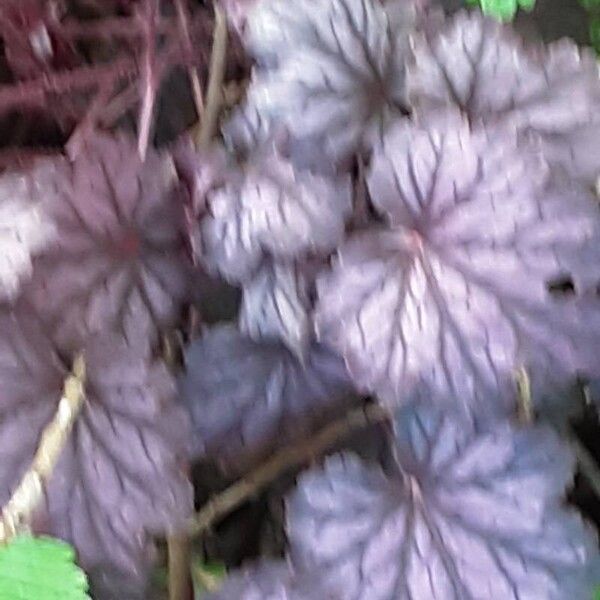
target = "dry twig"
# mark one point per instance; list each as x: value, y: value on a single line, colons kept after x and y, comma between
x: 525, y: 402
x: 180, y: 577
x: 214, y: 94
x: 288, y: 458
x: 30, y: 490
x: 148, y: 75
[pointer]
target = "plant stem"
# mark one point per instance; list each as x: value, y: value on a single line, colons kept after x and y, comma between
x: 525, y: 401
x: 180, y: 577
x: 30, y: 490
x: 214, y: 94
x: 148, y: 75
x: 292, y: 456
x: 183, y: 19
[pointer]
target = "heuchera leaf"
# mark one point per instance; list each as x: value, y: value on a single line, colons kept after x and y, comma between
x: 452, y: 297
x: 40, y: 568
x: 275, y: 210
x: 25, y: 225
x: 118, y: 261
x: 333, y: 70
x: 247, y: 398
x: 119, y: 474
x: 275, y: 306
x: 464, y: 514
x: 477, y: 66
x: 271, y: 580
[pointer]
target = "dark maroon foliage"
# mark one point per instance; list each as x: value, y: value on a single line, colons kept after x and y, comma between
x: 398, y: 209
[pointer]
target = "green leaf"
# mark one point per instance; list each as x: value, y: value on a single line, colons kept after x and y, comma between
x: 40, y: 568
x: 503, y: 10
x: 595, y: 39
x: 590, y: 5
x: 207, y: 577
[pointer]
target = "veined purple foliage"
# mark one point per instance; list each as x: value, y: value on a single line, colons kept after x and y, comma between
x: 119, y: 257
x: 450, y: 297
x: 382, y: 235
x: 119, y: 476
x: 452, y: 521
x: 246, y: 398
x: 484, y: 70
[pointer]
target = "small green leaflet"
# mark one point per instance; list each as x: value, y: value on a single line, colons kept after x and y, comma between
x: 40, y: 569
x: 503, y: 10
x: 207, y: 577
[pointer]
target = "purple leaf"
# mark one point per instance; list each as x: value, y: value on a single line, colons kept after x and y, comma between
x: 119, y: 474
x: 466, y: 514
x: 452, y: 297
x: 481, y: 68
x: 25, y: 225
x: 272, y: 580
x: 248, y: 131
x: 275, y: 210
x: 119, y: 260
x: 335, y: 69
x: 275, y: 306
x: 247, y: 398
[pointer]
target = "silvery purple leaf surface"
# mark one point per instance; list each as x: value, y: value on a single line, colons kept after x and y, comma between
x: 247, y: 398
x: 275, y: 306
x: 119, y: 475
x: 272, y: 210
x: 26, y: 227
x: 331, y: 70
x: 466, y: 514
x: 451, y: 297
x: 118, y: 260
x: 484, y: 70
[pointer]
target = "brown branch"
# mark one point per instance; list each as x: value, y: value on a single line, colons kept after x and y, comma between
x: 524, y: 398
x: 30, y: 490
x: 180, y: 575
x: 214, y: 94
x: 183, y: 18
x: 293, y: 456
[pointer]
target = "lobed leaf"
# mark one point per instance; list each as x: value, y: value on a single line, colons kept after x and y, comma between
x: 118, y: 261
x: 272, y: 210
x: 452, y: 297
x: 247, y: 398
x: 119, y: 475
x: 478, y: 67
x: 333, y: 69
x: 41, y: 568
x: 466, y: 513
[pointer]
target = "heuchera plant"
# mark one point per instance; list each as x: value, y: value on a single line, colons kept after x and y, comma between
x: 386, y: 220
